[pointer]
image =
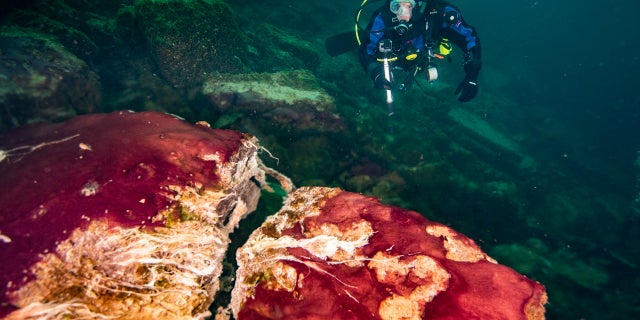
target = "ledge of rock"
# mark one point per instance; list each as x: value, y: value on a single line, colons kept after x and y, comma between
x: 121, y: 215
x: 492, y: 144
x: 287, y: 99
x: 41, y: 81
x: 334, y: 254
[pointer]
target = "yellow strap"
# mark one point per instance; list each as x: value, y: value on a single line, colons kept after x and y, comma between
x: 388, y: 59
x: 358, y: 19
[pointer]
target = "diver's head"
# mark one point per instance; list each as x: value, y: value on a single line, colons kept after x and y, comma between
x: 402, y: 8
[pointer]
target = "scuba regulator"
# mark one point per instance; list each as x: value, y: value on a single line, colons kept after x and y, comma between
x: 402, y: 27
x: 403, y: 9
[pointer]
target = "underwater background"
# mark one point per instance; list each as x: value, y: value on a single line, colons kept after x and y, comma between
x: 542, y: 168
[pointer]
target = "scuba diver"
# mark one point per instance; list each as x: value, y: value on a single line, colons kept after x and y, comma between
x: 410, y: 35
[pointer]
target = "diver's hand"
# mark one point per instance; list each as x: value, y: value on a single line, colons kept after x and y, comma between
x: 380, y: 82
x: 467, y: 90
x: 376, y: 72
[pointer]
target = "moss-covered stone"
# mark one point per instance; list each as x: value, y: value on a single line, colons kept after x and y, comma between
x: 273, y: 49
x: 73, y: 39
x: 191, y: 39
x: 288, y: 100
x: 41, y: 81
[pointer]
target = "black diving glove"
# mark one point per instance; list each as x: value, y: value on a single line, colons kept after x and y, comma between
x: 376, y: 73
x: 468, y: 88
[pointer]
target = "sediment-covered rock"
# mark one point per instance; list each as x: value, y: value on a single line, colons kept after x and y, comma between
x: 191, y: 39
x: 122, y: 215
x: 492, y: 144
x: 290, y: 100
x: 41, y: 81
x: 275, y: 49
x: 331, y: 254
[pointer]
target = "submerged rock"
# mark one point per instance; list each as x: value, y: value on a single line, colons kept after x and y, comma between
x: 190, y: 39
x: 128, y: 215
x: 333, y: 254
x: 41, y: 81
x: 121, y: 215
x: 288, y: 100
x: 273, y: 49
x: 493, y: 144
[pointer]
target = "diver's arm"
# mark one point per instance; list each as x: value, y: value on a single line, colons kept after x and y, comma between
x: 465, y: 37
x: 456, y: 29
x: 375, y: 34
x: 369, y: 51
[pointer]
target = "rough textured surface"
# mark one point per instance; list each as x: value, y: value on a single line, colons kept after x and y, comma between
x: 275, y: 49
x: 41, y: 81
x: 290, y: 99
x: 119, y: 215
x: 189, y: 39
x: 495, y: 143
x: 340, y: 255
